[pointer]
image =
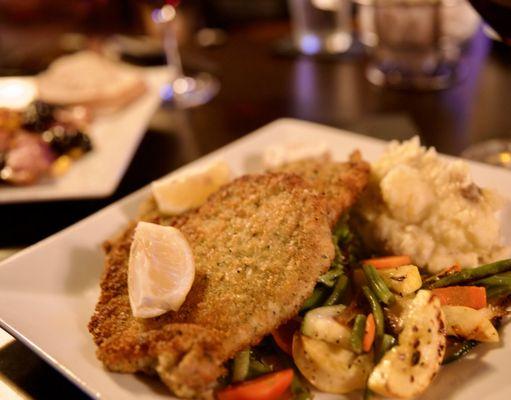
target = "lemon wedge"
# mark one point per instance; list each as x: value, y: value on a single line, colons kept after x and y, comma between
x: 175, y: 195
x: 161, y: 270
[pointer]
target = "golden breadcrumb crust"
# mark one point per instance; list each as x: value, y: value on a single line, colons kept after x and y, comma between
x: 259, y: 246
x: 340, y: 182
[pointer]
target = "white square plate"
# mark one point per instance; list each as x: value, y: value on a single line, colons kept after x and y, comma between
x: 115, y: 138
x: 48, y: 291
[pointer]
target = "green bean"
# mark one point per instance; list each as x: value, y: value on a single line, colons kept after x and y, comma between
x: 338, y: 262
x: 357, y: 333
x: 495, y: 280
x: 467, y: 275
x: 330, y: 277
x: 496, y: 285
x: 257, y: 368
x: 241, y: 366
x: 379, y: 320
x: 378, y: 285
x: 465, y: 348
x: 498, y: 291
x: 316, y: 299
x: 427, y: 281
x: 341, y: 231
x: 339, y: 289
x: 303, y: 396
x: 299, y: 390
x: 386, y: 343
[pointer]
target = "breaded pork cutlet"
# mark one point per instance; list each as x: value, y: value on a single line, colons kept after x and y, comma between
x: 340, y: 183
x: 259, y: 246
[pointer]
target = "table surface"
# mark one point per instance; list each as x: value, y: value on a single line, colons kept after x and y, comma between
x: 260, y: 83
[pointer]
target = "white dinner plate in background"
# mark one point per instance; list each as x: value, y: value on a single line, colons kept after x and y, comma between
x: 115, y: 137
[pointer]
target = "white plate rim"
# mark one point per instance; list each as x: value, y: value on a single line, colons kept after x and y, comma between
x: 141, y: 193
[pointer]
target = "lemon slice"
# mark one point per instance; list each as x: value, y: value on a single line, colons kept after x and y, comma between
x: 160, y: 270
x: 175, y: 195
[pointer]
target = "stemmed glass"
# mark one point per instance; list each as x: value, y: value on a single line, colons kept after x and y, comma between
x: 183, y: 91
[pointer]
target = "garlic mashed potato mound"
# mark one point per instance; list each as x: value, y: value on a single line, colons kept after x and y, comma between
x: 428, y: 208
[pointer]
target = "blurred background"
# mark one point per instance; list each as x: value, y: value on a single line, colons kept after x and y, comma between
x: 323, y: 60
x: 271, y: 65
x: 389, y: 69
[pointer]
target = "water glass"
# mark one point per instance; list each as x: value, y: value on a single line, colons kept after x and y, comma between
x: 414, y: 44
x: 321, y: 26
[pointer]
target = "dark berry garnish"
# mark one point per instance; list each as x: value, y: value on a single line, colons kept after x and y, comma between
x: 38, y: 116
x: 63, y: 139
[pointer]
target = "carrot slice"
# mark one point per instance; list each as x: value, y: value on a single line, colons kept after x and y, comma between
x: 369, y: 333
x: 283, y: 336
x: 468, y: 296
x: 388, y: 262
x: 266, y: 387
x: 455, y: 268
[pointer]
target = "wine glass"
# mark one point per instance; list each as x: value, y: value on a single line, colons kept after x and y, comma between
x: 183, y: 91
x: 497, y: 13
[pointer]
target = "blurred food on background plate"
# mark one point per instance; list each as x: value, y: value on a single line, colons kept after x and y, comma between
x: 44, y: 121
x: 89, y: 79
x: 41, y: 140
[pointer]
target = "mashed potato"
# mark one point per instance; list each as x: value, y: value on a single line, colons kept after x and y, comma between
x: 428, y: 208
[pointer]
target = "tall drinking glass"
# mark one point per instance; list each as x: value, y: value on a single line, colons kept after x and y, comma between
x: 411, y: 43
x: 321, y: 26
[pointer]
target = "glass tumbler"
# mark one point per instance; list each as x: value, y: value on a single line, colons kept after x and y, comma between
x: 321, y: 26
x: 413, y: 44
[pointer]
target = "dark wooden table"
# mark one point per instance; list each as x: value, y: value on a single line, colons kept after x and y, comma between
x: 260, y: 83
